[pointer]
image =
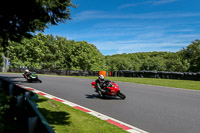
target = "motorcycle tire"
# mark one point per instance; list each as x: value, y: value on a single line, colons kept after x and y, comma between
x: 121, y: 95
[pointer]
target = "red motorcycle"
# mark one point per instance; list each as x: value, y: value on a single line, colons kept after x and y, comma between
x: 112, y: 89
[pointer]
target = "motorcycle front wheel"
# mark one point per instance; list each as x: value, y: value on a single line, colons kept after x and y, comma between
x: 121, y: 95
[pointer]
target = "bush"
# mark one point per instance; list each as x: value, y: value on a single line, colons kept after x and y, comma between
x: 11, y: 119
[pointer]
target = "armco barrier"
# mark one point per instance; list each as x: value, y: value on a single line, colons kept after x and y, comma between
x: 166, y: 75
x: 150, y: 74
x: 114, y: 73
x: 198, y: 76
x: 28, y: 118
x: 125, y: 73
x: 139, y: 74
x: 95, y: 73
x: 176, y: 75
x: 120, y: 73
x: 157, y: 74
x: 190, y: 76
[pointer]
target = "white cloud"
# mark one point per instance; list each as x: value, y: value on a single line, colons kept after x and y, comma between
x: 154, y: 3
x: 88, y: 15
x: 136, y: 44
x: 128, y: 5
x: 133, y: 46
x: 163, y: 2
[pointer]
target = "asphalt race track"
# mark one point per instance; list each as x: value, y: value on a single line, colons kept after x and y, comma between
x: 150, y: 108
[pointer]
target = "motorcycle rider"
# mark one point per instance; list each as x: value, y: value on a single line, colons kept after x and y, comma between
x: 26, y: 72
x: 99, y: 85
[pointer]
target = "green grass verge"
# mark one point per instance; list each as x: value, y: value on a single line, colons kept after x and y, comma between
x: 63, y: 118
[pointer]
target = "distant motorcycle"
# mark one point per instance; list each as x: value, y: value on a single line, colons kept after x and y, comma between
x: 112, y: 89
x: 31, y: 76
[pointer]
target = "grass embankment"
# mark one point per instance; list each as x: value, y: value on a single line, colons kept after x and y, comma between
x: 65, y: 119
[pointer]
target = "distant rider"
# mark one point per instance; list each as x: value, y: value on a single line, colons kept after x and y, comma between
x: 27, y: 72
x: 100, y: 84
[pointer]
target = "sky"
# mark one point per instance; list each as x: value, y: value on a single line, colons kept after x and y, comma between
x: 131, y: 26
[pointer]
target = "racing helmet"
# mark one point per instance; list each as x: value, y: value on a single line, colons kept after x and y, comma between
x: 27, y: 70
x: 101, y: 77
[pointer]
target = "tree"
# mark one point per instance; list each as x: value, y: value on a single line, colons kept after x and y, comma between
x: 118, y: 63
x: 154, y: 64
x: 49, y: 52
x: 175, y: 63
x: 21, y: 18
x: 192, y: 54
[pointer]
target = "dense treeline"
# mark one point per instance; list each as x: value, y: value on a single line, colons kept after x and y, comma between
x: 151, y: 61
x: 49, y: 52
x: 185, y: 60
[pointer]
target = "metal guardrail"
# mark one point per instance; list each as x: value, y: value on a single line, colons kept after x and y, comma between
x: 157, y: 74
x: 120, y: 73
x: 31, y: 120
x: 58, y: 72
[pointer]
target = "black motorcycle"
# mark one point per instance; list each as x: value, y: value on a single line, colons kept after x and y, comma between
x: 31, y: 77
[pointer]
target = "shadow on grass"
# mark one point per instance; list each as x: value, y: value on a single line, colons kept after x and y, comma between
x: 55, y: 117
x: 39, y: 100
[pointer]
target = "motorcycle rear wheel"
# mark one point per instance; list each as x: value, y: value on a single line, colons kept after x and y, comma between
x: 121, y: 95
